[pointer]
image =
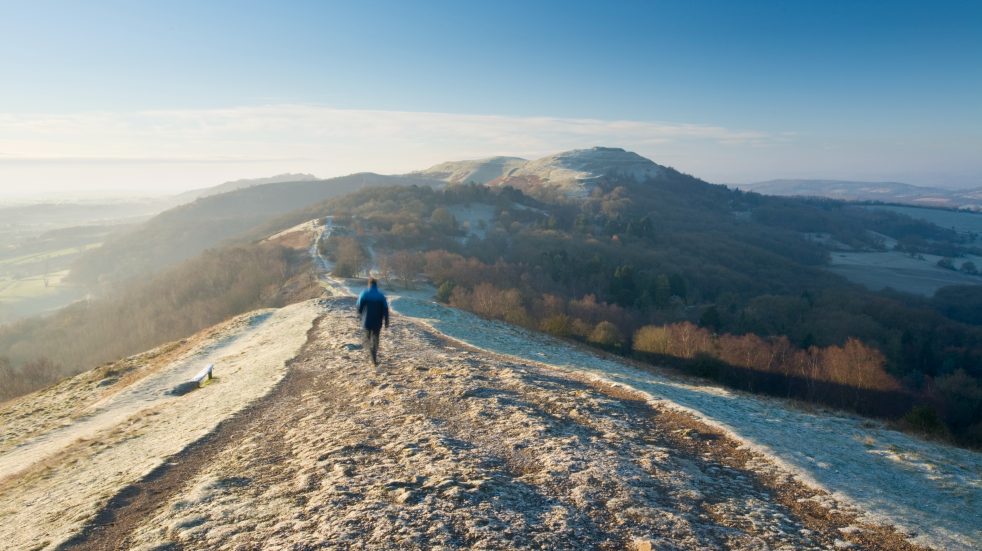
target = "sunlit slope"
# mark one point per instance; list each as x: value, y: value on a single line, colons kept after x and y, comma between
x: 187, y: 230
x: 66, y: 450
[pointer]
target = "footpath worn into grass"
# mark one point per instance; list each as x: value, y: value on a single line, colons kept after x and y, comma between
x: 931, y: 490
x: 66, y: 451
x: 450, y: 447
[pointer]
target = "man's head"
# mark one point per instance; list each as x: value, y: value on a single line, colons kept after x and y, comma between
x: 372, y: 283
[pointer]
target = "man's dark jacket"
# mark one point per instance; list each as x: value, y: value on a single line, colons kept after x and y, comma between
x: 373, y: 308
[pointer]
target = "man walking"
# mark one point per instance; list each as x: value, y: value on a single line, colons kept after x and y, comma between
x: 374, y: 311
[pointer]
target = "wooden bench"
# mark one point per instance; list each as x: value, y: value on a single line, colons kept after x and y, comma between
x: 195, y: 382
x: 204, y: 374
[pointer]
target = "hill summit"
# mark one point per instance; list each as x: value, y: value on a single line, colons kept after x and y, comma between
x: 573, y: 173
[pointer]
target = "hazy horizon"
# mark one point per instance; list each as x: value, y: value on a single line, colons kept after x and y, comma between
x: 152, y: 99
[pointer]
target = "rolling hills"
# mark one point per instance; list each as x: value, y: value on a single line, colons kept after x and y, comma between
x: 185, y: 231
x: 884, y: 192
x: 603, y: 247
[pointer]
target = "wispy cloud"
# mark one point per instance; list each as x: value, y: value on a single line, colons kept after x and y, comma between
x: 392, y: 139
x: 171, y: 150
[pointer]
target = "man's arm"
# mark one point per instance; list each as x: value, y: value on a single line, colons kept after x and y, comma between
x: 385, y: 311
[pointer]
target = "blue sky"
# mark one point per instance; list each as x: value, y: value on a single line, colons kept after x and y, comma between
x: 94, y: 92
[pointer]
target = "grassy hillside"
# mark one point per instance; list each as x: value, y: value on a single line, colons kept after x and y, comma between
x: 185, y: 269
x: 726, y: 282
x: 186, y: 231
x: 34, y: 269
x: 198, y: 293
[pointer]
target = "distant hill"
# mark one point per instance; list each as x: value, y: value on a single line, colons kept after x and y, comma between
x: 886, y: 192
x: 193, y: 194
x: 571, y: 173
x: 185, y: 231
x: 51, y: 215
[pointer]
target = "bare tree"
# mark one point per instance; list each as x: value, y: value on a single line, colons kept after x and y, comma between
x: 351, y: 258
x: 383, y: 264
x: 406, y: 266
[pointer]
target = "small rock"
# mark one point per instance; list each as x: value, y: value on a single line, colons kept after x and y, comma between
x: 306, y: 483
x: 395, y: 483
x: 441, y: 484
x: 188, y: 523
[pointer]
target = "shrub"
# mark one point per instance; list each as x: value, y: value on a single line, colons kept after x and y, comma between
x: 686, y: 340
x: 350, y: 258
x: 606, y: 334
x: 444, y: 291
x: 651, y: 339
x: 460, y: 297
x: 557, y: 324
x: 706, y: 365
x: 962, y: 396
x: 484, y: 300
x: 926, y: 420
x: 406, y: 266
x: 581, y: 328
x: 512, y: 309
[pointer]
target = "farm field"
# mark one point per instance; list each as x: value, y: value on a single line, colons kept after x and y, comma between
x: 41, y: 256
x: 919, y: 275
x: 960, y: 221
x: 29, y: 296
x: 899, y: 271
x: 34, y: 269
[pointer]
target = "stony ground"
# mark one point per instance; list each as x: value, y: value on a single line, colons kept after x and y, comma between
x: 445, y: 446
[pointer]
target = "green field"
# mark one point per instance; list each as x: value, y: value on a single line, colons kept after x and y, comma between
x: 916, y: 275
x: 33, y: 258
x: 33, y: 272
x: 960, y: 221
x: 30, y: 296
x: 13, y: 290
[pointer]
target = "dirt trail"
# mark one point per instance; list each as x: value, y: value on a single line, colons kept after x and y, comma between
x: 449, y: 446
x: 59, y: 478
x: 144, y: 394
x: 112, y: 526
